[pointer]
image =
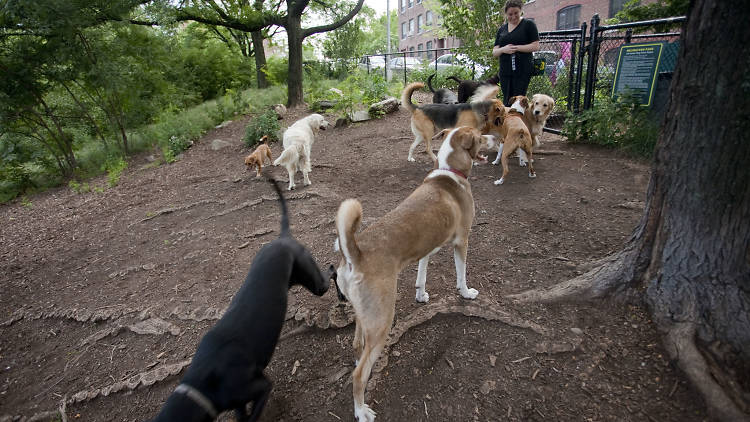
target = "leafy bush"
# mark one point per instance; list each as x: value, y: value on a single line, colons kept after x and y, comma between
x: 114, y: 168
x: 277, y: 70
x: 620, y: 124
x: 264, y: 124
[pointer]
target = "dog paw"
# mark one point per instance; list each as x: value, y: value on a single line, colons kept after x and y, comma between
x: 499, y: 181
x: 496, y: 162
x: 522, y: 163
x: 423, y: 298
x: 411, y: 159
x: 364, y: 414
x: 470, y: 294
x: 532, y: 175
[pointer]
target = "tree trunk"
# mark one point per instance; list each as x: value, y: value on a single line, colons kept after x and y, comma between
x: 294, y: 34
x: 260, y: 58
x: 690, y: 254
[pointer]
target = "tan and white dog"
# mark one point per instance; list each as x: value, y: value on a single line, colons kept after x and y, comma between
x: 515, y: 137
x: 298, y: 140
x: 440, y: 211
x: 536, y: 115
x: 428, y: 119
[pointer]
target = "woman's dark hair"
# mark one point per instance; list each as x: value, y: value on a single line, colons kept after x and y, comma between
x: 513, y: 3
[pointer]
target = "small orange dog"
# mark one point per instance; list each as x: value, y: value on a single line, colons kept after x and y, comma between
x: 258, y: 156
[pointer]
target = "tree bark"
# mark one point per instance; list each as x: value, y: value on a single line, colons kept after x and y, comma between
x: 689, y: 257
x: 260, y: 58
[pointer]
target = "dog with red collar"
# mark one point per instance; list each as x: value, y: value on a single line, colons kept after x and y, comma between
x: 227, y: 370
x: 439, y: 212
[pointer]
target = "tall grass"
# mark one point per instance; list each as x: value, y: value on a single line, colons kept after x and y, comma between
x: 172, y: 132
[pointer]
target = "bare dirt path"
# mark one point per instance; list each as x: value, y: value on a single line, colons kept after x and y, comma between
x: 106, y: 295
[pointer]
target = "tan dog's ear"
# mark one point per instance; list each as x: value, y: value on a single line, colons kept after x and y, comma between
x: 440, y: 134
x: 524, y: 101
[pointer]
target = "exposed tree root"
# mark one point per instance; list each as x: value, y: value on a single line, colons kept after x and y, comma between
x: 481, y: 308
x: 681, y: 346
x: 606, y: 275
x: 246, y: 204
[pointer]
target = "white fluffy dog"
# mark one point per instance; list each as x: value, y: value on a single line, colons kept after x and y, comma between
x: 298, y: 140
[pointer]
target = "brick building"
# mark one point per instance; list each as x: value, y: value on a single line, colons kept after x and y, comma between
x: 416, y: 23
x: 416, y: 30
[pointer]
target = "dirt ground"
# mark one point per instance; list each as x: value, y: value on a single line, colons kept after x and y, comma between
x: 106, y: 295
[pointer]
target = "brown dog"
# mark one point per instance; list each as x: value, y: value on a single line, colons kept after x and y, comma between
x: 258, y: 156
x: 440, y: 211
x: 515, y: 136
x: 428, y: 119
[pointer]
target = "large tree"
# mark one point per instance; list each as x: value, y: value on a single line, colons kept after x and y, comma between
x: 249, y: 18
x: 689, y: 257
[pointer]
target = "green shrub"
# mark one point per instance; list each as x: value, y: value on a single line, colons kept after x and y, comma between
x: 114, y: 168
x: 264, y: 124
x: 620, y: 124
x: 276, y: 70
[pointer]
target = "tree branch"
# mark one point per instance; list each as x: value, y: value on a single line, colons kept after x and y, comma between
x: 325, y: 28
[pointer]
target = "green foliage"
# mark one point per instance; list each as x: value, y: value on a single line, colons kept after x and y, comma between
x: 348, y: 40
x: 359, y: 91
x: 266, y: 123
x: 114, y: 168
x: 277, y: 70
x: 619, y: 124
x: 475, y: 22
x: 634, y: 11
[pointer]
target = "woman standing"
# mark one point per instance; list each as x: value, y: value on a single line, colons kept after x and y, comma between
x: 514, y: 43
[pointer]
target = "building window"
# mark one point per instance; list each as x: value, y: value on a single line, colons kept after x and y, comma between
x: 411, y: 26
x: 411, y: 51
x: 615, y: 6
x: 569, y: 17
x: 420, y: 50
x: 411, y: 3
x: 403, y: 6
x: 403, y: 30
x: 428, y: 17
x: 420, y: 25
x: 429, y: 50
x: 419, y: 1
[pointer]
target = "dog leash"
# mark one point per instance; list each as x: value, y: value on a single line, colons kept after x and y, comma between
x: 198, y: 398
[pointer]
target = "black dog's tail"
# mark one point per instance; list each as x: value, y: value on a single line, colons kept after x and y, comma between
x: 454, y: 78
x: 429, y: 82
x: 284, y: 214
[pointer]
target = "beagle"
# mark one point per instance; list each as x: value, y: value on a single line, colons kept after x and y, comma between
x: 440, y: 211
x: 428, y: 119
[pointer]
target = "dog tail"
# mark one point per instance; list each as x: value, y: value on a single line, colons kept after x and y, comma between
x: 287, y: 156
x: 406, y: 95
x: 347, y: 222
x: 429, y: 82
x: 264, y: 139
x: 284, y: 213
x: 484, y: 93
x: 454, y: 78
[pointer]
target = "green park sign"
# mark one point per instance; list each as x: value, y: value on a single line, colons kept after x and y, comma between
x: 636, y: 71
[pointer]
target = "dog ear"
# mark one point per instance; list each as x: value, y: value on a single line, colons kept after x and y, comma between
x: 524, y: 102
x: 440, y: 134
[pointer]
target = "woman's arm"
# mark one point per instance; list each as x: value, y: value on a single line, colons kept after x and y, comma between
x: 528, y: 48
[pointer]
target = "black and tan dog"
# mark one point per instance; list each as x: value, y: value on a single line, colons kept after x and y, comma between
x: 227, y: 370
x: 467, y: 87
x: 428, y: 119
x: 442, y: 95
x: 439, y: 212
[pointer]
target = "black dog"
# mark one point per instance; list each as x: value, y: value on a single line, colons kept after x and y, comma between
x: 442, y: 95
x: 227, y: 370
x: 466, y: 87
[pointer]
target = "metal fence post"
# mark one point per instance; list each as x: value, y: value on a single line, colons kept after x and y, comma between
x: 571, y: 71
x: 591, y: 68
x: 579, y: 74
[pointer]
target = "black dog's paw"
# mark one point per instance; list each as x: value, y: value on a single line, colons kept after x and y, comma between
x: 333, y: 275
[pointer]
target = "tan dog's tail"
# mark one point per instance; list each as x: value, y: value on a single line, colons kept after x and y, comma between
x: 406, y: 95
x: 347, y: 222
x: 264, y: 139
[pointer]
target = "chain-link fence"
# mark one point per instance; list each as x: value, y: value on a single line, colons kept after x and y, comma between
x: 579, y: 67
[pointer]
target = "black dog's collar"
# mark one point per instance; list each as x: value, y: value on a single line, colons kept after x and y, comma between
x: 198, y: 398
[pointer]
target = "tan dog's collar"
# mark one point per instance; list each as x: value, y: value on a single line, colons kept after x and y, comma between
x: 454, y: 171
